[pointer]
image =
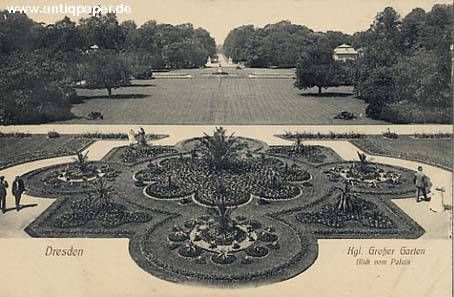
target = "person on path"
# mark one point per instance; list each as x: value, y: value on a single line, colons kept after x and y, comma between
x: 421, y: 182
x: 141, y: 137
x: 132, y: 137
x: 18, y: 189
x: 3, y: 187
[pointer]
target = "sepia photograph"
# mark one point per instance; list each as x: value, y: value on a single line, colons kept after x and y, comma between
x: 226, y: 148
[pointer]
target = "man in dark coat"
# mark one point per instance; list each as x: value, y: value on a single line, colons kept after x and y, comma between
x: 421, y: 182
x: 18, y: 189
x: 3, y: 186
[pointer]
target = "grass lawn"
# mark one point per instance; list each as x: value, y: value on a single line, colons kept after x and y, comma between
x: 232, y: 99
x: 432, y: 151
x: 20, y: 150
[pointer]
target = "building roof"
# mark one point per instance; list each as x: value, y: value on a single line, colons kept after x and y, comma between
x: 345, y: 49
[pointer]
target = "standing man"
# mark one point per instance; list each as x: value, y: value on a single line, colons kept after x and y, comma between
x: 18, y: 189
x: 420, y: 181
x: 3, y: 186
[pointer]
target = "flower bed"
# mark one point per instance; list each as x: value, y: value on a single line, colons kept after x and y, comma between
x: 371, y: 178
x: 258, y: 175
x: 259, y: 243
x: 313, y: 154
x: 83, y: 211
x: 252, y: 145
x: 131, y: 155
x: 68, y: 178
x: 364, y: 213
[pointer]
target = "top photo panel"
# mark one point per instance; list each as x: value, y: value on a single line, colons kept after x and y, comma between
x: 226, y: 62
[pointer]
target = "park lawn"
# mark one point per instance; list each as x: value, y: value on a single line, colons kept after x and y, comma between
x: 431, y: 151
x: 215, y: 100
x: 15, y: 150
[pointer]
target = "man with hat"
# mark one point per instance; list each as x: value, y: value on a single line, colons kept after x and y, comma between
x: 3, y: 187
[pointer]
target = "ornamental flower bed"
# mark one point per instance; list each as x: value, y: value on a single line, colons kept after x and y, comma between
x: 364, y: 213
x: 132, y: 154
x: 258, y: 175
x: 83, y: 211
x: 202, y: 226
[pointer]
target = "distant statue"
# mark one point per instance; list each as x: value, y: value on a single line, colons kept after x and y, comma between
x: 132, y: 137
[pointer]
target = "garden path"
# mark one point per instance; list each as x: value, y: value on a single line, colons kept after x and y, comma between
x: 12, y: 224
x: 436, y: 225
x: 256, y: 130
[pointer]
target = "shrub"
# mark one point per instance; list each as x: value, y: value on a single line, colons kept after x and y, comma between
x: 105, y: 135
x: 345, y: 115
x: 53, y: 134
x: 318, y: 135
x: 15, y: 135
x: 433, y: 135
x: 405, y: 112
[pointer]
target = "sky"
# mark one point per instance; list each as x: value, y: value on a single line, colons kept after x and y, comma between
x: 221, y: 16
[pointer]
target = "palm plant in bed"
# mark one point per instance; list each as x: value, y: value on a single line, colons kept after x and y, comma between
x: 98, y: 207
x: 219, y: 149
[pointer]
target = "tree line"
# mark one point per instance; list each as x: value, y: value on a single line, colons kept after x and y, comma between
x: 402, y: 71
x: 42, y: 64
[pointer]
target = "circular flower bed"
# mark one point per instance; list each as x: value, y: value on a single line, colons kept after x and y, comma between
x: 371, y: 178
x: 164, y: 191
x: 69, y: 178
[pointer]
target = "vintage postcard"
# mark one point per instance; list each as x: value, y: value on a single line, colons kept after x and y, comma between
x: 226, y: 148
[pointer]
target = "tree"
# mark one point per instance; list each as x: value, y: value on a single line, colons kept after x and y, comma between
x: 17, y: 32
x: 418, y: 80
x: 235, y: 43
x: 103, y: 31
x: 412, y: 29
x: 34, y: 88
x: 105, y: 69
x: 406, y: 64
x: 278, y: 44
x: 317, y: 68
x: 62, y: 36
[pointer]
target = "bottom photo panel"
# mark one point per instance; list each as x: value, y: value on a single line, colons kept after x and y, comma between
x: 127, y: 210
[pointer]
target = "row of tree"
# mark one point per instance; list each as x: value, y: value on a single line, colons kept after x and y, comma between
x: 42, y: 65
x: 279, y: 45
x: 288, y: 45
x: 402, y: 71
x: 160, y: 45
